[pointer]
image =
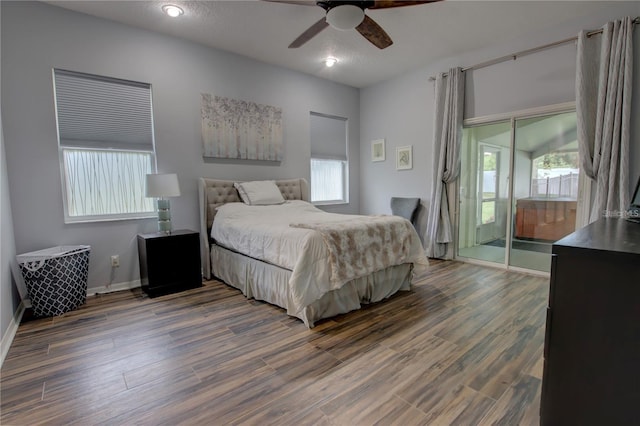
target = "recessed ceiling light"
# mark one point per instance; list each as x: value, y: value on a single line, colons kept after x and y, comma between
x: 330, y: 61
x: 172, y: 10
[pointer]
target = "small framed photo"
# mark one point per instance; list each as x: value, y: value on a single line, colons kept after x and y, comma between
x: 404, y: 158
x: 377, y: 150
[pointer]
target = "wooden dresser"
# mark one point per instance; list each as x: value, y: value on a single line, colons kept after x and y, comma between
x: 592, y: 341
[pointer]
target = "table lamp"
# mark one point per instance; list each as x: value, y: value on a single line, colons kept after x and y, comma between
x: 162, y: 186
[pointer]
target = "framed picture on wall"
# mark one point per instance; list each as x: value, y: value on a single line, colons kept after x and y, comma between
x: 404, y: 158
x: 377, y: 150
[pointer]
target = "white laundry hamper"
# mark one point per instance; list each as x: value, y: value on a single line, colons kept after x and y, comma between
x: 56, y: 278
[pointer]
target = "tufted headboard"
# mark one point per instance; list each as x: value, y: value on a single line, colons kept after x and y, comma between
x: 215, y: 192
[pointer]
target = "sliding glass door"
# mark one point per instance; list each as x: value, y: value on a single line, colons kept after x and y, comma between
x: 518, y: 189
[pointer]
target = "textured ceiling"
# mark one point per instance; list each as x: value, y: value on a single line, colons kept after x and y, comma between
x: 422, y: 34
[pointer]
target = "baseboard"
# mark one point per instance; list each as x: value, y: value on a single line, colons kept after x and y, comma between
x: 7, y: 337
x: 127, y: 285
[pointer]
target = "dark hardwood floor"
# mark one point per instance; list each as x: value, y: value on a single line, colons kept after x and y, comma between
x: 464, y: 346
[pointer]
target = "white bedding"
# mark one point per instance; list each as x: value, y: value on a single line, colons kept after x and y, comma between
x: 264, y: 233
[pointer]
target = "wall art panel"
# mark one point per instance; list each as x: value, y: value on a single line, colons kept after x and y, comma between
x: 238, y: 129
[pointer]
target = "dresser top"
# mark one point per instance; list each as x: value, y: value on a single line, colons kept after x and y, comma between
x: 606, y: 234
x: 165, y: 235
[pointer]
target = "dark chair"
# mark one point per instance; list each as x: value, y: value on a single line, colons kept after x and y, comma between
x: 405, y: 207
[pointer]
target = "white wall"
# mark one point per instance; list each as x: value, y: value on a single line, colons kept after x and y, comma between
x: 37, y: 37
x: 401, y: 109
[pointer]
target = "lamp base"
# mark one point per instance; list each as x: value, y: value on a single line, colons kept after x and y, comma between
x: 164, y: 216
x: 164, y: 226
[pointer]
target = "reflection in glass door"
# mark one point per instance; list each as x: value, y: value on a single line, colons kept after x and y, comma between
x: 530, y: 190
x: 488, y: 184
x: 484, y: 191
x: 545, y: 190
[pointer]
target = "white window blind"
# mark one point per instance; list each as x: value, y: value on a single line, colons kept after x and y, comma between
x: 101, y: 112
x: 105, y: 133
x: 328, y: 137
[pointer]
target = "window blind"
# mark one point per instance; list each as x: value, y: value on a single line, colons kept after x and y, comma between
x: 328, y: 137
x: 102, y: 112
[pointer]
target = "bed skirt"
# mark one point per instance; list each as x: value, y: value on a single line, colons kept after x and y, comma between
x: 270, y: 283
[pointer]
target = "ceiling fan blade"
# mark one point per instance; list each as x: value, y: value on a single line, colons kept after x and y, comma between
x: 374, y: 33
x: 386, y: 4
x: 310, y: 33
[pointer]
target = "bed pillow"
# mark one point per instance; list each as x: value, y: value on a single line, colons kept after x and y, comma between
x: 259, y: 193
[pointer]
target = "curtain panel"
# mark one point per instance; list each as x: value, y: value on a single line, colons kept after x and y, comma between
x: 603, y: 107
x: 447, y: 136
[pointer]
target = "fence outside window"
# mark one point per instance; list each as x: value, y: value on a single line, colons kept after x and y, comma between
x: 557, y: 186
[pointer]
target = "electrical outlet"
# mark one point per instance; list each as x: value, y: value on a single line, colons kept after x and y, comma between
x: 115, y: 261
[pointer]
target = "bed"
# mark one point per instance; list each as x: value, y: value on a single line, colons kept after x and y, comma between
x: 300, y: 270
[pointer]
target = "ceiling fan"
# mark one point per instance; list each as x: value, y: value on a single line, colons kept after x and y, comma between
x: 348, y: 15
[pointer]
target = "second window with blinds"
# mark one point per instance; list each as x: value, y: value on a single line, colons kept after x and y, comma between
x: 329, y: 162
x: 105, y: 140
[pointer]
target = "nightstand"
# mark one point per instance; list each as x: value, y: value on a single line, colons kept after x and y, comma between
x: 169, y: 262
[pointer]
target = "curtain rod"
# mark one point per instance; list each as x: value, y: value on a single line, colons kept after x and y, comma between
x: 515, y: 56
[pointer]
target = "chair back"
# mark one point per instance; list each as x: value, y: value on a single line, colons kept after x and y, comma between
x: 405, y: 207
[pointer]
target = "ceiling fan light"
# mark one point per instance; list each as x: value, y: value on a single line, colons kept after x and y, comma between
x: 345, y: 16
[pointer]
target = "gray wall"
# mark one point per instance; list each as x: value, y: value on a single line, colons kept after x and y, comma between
x: 401, y: 109
x: 9, y: 299
x: 37, y: 37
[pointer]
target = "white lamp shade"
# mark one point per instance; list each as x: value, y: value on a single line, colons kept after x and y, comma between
x: 345, y: 16
x: 162, y: 185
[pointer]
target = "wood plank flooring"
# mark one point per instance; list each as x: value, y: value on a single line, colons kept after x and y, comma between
x: 463, y: 347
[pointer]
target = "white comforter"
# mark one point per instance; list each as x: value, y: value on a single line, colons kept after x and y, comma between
x: 264, y: 233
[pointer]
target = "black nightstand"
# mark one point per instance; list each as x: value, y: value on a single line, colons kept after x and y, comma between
x: 169, y: 263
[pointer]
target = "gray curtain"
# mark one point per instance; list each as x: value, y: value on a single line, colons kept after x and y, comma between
x: 603, y: 107
x: 447, y: 136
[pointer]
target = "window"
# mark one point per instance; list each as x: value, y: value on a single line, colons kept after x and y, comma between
x: 329, y: 165
x: 105, y: 140
x: 327, y: 180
